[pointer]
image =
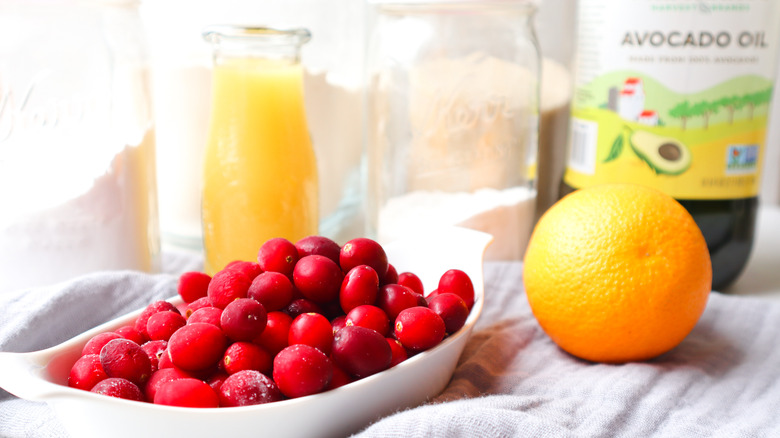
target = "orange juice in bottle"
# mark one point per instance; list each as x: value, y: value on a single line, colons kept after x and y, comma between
x: 260, y: 173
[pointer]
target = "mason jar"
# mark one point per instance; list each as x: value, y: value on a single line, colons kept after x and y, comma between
x: 77, y: 168
x: 452, y: 119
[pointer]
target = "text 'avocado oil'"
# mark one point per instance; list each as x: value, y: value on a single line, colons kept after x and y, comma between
x: 675, y: 95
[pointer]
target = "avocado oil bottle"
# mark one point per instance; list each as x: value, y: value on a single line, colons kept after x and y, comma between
x: 674, y: 94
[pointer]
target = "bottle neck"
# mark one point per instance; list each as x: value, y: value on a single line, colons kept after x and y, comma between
x: 280, y: 47
x: 272, y: 56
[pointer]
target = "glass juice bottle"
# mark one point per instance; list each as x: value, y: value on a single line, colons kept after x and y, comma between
x: 260, y: 172
x: 675, y: 95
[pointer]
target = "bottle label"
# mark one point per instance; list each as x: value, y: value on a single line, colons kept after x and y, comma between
x: 673, y: 94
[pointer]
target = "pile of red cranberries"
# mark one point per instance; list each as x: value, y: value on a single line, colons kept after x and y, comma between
x: 305, y: 318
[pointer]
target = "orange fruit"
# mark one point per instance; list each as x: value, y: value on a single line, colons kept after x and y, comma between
x: 617, y: 273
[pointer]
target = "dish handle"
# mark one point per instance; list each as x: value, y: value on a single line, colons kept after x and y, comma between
x: 28, y: 375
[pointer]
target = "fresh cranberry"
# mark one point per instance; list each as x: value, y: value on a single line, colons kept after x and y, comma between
x: 126, y: 359
x: 303, y: 305
x: 457, y: 282
x: 393, y: 298
x: 162, y: 375
x: 193, y: 285
x: 452, y: 310
x: 301, y: 370
x: 251, y: 269
x: 155, y: 350
x: 332, y: 309
x: 96, y: 343
x: 241, y: 356
x: 151, y: 309
x: 363, y: 251
x: 278, y: 255
x: 208, y: 315
x: 360, y: 286
x: 338, y: 323
x: 197, y: 347
x: 231, y: 264
x: 129, y: 332
x: 311, y: 329
x: 399, y: 352
x: 412, y: 281
x: 391, y: 276
x: 161, y: 325
x: 248, y: 387
x: 205, y: 373
x: 419, y: 328
x: 340, y: 378
x: 206, y: 376
x: 195, y: 305
x: 188, y: 393
x: 216, y: 380
x: 433, y: 294
x: 243, y: 319
x: 296, y: 293
x: 318, y: 245
x: 164, y: 361
x: 86, y: 372
x: 361, y: 351
x: 369, y: 317
x: 228, y: 285
x: 119, y: 388
x: 318, y: 278
x: 273, y: 290
x: 274, y: 338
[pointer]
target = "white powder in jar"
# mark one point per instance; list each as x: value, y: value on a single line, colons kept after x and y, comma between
x: 334, y: 116
x: 460, y: 152
x: 506, y: 214
x: 182, y: 101
x: 110, y: 226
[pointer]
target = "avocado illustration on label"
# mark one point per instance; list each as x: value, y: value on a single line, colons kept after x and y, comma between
x: 665, y: 155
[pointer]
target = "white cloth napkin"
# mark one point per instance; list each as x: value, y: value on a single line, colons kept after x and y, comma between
x: 722, y: 381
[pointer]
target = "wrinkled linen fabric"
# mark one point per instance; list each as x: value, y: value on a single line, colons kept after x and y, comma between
x: 723, y: 380
x: 511, y: 380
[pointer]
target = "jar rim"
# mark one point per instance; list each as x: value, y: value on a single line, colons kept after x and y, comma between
x: 528, y: 6
x: 271, y: 36
x: 532, y: 3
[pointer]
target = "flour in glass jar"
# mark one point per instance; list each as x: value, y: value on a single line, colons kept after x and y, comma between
x: 468, y: 156
x: 109, y: 225
x: 506, y: 214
